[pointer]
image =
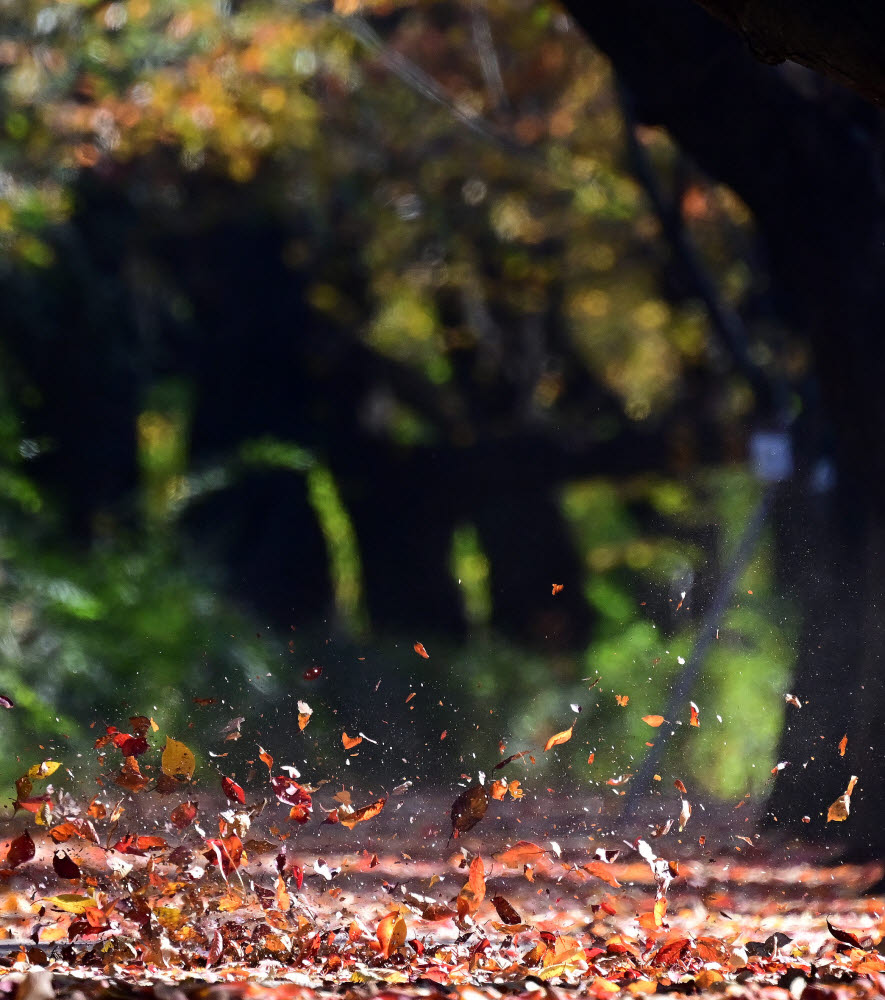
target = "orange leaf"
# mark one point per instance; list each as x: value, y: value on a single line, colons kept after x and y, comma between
x: 360, y: 815
x: 304, y: 714
x: 265, y: 758
x: 559, y: 738
x: 843, y: 744
x: 654, y: 720
x: 601, y: 871
x: 392, y: 932
x: 557, y: 588
x: 523, y: 852
x: 350, y: 741
x: 694, y: 720
x: 421, y: 651
x: 622, y: 699
x: 498, y: 789
x: 474, y: 890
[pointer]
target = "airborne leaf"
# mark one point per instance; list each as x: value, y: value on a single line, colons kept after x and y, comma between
x: 177, y: 760
x: 468, y: 809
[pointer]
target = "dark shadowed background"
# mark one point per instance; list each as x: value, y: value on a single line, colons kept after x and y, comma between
x: 326, y: 331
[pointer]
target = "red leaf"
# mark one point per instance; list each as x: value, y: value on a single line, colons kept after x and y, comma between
x: 21, y: 849
x: 233, y: 791
x: 421, y: 651
x: 183, y: 815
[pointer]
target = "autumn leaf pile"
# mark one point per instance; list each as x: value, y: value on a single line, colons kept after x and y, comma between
x: 163, y: 877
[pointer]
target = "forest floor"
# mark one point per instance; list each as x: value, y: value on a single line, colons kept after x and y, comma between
x: 395, y: 910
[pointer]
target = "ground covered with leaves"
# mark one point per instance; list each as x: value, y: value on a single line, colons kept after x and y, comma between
x: 144, y: 890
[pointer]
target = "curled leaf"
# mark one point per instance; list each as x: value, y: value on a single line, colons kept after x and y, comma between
x: 557, y: 739
x: 838, y: 811
x: 233, y: 791
x: 361, y: 815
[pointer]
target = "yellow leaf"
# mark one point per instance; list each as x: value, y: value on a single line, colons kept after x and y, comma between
x: 177, y: 760
x: 43, y: 770
x: 71, y: 903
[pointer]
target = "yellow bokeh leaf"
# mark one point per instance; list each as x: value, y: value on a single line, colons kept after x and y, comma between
x: 177, y: 760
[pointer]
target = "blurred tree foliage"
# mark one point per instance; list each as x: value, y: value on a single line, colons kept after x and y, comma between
x: 364, y: 328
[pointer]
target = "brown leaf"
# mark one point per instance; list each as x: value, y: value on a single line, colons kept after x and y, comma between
x: 468, y: 809
x: 506, y: 912
x: 838, y: 811
x: 844, y: 936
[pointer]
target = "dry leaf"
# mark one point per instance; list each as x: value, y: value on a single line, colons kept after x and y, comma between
x: 654, y: 720
x: 468, y: 809
x: 839, y: 810
x: 360, y: 815
x: 177, y: 760
x: 559, y: 738
x: 473, y: 891
x: 350, y: 742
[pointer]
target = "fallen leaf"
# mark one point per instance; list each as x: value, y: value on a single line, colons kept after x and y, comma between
x: 695, y: 716
x: 421, y: 651
x: 622, y: 699
x: 791, y: 699
x: 843, y: 745
x: 468, y: 809
x: 350, y: 742
x: 654, y: 720
x: 845, y: 937
x: 392, y: 932
x: 557, y: 589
